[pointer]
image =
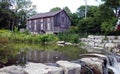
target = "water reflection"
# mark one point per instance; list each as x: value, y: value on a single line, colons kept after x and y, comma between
x: 44, y: 56
x: 22, y: 53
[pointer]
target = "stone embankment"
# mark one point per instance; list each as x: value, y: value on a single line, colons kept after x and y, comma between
x: 112, y: 43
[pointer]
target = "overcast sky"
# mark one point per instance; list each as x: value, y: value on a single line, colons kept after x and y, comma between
x: 46, y: 5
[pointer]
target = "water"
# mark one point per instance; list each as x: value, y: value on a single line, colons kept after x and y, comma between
x: 17, y: 53
x: 115, y: 65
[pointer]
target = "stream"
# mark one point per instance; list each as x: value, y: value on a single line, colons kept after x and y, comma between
x: 20, y: 54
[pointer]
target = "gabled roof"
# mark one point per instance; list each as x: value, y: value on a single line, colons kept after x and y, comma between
x: 43, y: 15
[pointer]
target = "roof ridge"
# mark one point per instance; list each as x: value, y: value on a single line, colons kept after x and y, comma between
x: 46, y: 14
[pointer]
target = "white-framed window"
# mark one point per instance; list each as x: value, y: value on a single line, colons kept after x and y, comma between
x: 41, y: 20
x: 35, y: 28
x: 48, y: 26
x: 41, y: 26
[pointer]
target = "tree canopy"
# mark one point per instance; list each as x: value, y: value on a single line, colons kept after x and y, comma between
x: 15, y: 12
x: 55, y: 9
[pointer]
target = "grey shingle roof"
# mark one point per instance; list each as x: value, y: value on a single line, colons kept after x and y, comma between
x: 42, y: 15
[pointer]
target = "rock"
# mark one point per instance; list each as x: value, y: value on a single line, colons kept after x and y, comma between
x: 110, y: 45
x: 116, y: 41
x: 99, y: 37
x: 52, y: 64
x: 95, y: 63
x: 83, y: 39
x: 110, y: 71
x: 94, y: 55
x: 98, y: 48
x: 61, y: 42
x: 91, y: 36
x: 91, y: 44
x: 69, y: 67
x: 38, y: 68
x: 98, y: 41
x: 111, y: 37
x: 12, y: 70
x: 68, y: 43
x: 61, y: 45
x: 85, y: 69
x: 3, y: 73
x: 118, y: 37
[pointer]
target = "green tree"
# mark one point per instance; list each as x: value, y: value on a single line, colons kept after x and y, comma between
x: 74, y: 19
x: 81, y: 11
x: 23, y: 10
x: 15, y: 12
x: 92, y: 24
x: 114, y: 4
x: 108, y: 17
x: 108, y: 26
x: 7, y: 21
x: 68, y: 11
x: 55, y: 9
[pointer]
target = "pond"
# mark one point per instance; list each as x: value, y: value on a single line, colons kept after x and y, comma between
x: 20, y: 53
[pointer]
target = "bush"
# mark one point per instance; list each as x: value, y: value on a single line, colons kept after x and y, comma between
x: 68, y: 37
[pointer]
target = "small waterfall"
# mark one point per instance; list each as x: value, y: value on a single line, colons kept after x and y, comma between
x: 113, y: 64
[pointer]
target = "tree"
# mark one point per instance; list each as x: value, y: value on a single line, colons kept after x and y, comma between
x: 92, y: 23
x: 8, y: 16
x: 88, y: 26
x: 108, y: 26
x: 55, y: 9
x: 15, y: 13
x: 108, y: 17
x: 74, y: 19
x: 23, y: 9
x: 81, y: 11
x: 68, y: 11
x: 113, y: 4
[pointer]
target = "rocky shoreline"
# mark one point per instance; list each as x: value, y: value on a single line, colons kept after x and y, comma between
x: 88, y: 64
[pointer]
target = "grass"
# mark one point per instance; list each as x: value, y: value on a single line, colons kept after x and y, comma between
x: 7, y: 36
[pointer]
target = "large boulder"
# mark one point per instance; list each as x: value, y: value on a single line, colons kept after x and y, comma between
x: 12, y: 70
x: 94, y: 55
x: 95, y: 64
x: 85, y: 69
x: 110, y: 45
x: 38, y: 68
x: 69, y: 67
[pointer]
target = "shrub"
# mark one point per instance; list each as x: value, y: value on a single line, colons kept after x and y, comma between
x: 6, y: 35
x: 68, y: 37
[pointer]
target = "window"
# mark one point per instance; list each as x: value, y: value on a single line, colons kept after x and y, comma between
x: 35, y: 28
x: 48, y: 26
x: 41, y: 20
x: 41, y: 26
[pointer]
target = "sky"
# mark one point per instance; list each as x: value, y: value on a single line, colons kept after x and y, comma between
x: 46, y: 5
